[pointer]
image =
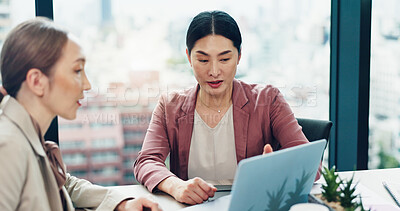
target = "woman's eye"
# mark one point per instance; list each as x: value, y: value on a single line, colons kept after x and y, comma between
x: 225, y: 60
x: 79, y: 68
x: 203, y: 60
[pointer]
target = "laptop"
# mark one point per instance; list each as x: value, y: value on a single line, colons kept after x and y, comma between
x: 274, y: 181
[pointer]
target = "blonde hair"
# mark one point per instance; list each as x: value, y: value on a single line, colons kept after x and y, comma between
x: 35, y: 43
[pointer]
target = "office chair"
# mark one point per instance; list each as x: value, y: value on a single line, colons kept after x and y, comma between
x: 313, y: 129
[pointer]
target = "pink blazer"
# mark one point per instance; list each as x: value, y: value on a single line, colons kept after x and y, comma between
x: 259, y: 114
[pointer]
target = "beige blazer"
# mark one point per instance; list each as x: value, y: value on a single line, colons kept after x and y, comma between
x: 26, y: 179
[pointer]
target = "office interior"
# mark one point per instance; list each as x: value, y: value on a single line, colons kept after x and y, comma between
x: 334, y: 60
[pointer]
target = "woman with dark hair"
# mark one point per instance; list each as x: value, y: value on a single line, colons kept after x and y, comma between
x: 209, y: 128
x: 42, y: 70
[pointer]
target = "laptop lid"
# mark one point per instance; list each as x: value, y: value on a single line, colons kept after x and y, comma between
x: 277, y: 180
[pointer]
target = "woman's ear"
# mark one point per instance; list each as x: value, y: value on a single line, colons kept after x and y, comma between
x: 37, y: 81
x: 239, y: 55
x: 188, y: 56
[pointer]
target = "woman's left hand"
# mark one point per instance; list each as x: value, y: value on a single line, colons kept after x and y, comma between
x: 267, y: 149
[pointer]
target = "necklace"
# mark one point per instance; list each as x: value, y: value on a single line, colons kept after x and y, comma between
x: 217, y: 110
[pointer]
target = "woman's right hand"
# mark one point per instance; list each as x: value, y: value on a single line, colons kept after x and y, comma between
x: 193, y: 191
x: 267, y: 149
x: 138, y: 204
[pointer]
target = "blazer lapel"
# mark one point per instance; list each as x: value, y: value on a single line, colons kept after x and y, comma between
x: 51, y: 184
x: 20, y: 117
x: 185, y: 129
x: 69, y: 204
x: 240, y: 120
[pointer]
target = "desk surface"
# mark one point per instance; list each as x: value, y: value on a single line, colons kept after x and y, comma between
x: 165, y: 201
x: 371, y: 179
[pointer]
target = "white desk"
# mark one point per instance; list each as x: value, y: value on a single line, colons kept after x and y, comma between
x: 165, y: 201
x: 371, y: 179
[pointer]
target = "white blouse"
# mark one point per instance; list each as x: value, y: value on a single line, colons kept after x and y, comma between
x: 212, y: 154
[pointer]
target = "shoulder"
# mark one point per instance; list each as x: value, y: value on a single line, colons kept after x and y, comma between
x: 15, y: 162
x: 173, y: 102
x: 177, y: 96
x: 258, y: 90
x: 170, y: 104
x: 15, y: 151
x: 11, y: 138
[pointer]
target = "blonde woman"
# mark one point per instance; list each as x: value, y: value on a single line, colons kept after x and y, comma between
x: 43, y: 75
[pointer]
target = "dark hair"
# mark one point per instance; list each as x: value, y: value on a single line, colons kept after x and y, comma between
x: 214, y: 23
x: 35, y: 43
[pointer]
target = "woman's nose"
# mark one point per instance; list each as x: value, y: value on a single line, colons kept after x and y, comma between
x: 214, y: 69
x: 86, y: 83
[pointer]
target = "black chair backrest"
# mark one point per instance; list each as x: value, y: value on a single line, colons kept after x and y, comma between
x: 315, y: 129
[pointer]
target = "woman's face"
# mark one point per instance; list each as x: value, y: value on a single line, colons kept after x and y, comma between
x: 214, y: 60
x: 67, y: 82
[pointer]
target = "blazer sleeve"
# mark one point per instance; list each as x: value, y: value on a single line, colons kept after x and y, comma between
x: 149, y: 167
x: 285, y: 127
x: 13, y: 165
x: 87, y: 195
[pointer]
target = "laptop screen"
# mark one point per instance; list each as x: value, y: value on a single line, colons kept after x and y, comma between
x: 277, y: 180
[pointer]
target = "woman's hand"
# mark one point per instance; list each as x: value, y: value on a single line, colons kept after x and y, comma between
x: 138, y: 204
x: 193, y: 191
x: 267, y: 149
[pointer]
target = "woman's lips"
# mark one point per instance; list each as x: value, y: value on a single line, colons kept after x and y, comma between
x: 78, y: 103
x: 215, y: 84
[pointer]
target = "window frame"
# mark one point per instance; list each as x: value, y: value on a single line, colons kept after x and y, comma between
x: 44, y: 8
x: 349, y: 81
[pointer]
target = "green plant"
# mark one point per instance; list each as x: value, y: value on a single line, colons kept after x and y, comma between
x: 361, y: 206
x: 339, y: 191
x: 331, y: 188
x: 347, y: 196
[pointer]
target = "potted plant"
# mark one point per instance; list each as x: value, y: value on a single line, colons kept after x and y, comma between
x: 339, y: 194
x: 330, y: 190
x: 346, y: 197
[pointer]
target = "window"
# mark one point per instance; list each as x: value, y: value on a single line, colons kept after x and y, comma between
x: 128, y: 163
x: 106, y: 171
x: 79, y: 173
x: 66, y: 145
x: 68, y: 126
x: 107, y: 183
x: 74, y: 159
x: 136, y: 134
x: 129, y: 177
x: 104, y: 143
x: 103, y: 157
x: 12, y: 12
x: 136, y: 119
x: 384, y: 118
x: 136, y: 51
x: 100, y: 125
x: 129, y: 149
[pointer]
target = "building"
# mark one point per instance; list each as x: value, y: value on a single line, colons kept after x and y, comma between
x: 5, y: 21
x: 102, y: 143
